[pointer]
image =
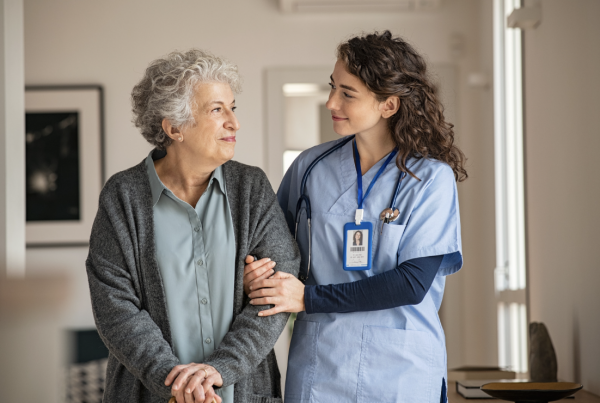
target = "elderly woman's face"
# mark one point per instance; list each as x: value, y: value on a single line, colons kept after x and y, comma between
x: 213, y: 135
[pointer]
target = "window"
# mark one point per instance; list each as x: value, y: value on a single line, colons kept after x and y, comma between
x: 304, y: 125
x: 510, y: 272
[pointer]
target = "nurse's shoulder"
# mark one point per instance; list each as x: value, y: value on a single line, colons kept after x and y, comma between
x: 428, y: 169
x: 435, y: 176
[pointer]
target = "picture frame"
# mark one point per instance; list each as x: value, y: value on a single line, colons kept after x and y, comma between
x: 64, y: 138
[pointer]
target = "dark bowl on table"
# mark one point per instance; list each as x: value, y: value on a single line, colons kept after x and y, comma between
x: 531, y: 392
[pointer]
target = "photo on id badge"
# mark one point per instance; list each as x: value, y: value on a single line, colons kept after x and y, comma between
x: 357, y: 249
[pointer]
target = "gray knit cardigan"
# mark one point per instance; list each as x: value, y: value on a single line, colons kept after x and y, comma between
x: 129, y: 302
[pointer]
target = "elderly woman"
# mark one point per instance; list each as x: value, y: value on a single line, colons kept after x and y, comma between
x: 166, y: 266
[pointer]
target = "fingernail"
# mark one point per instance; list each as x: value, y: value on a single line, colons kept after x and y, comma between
x: 188, y: 391
x: 268, y: 259
x: 260, y: 314
x: 176, y: 387
x: 252, y: 302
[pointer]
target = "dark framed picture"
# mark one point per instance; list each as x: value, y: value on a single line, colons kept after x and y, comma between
x: 63, y: 162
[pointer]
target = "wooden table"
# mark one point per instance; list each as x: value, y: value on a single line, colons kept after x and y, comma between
x: 582, y: 396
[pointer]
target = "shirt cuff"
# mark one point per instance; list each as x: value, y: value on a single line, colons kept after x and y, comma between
x: 309, y: 295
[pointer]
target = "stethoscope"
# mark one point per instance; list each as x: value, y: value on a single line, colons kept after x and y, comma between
x: 387, y: 215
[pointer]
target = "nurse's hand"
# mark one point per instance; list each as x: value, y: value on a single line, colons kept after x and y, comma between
x: 259, y: 270
x: 283, y: 290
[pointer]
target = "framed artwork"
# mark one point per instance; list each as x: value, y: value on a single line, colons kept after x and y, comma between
x: 64, y: 163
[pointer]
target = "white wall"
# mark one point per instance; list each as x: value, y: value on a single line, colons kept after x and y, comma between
x: 562, y: 63
x: 111, y: 42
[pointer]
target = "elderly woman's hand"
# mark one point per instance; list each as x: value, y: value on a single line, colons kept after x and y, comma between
x: 282, y: 289
x: 193, y: 383
x: 256, y: 270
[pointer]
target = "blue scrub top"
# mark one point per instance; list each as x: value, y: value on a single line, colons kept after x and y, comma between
x: 393, y: 355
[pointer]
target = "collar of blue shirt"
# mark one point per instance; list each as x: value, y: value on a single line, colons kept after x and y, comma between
x: 157, y: 187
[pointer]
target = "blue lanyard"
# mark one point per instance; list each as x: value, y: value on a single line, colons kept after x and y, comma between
x: 360, y: 197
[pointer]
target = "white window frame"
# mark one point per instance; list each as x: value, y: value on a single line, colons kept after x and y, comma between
x: 511, y: 269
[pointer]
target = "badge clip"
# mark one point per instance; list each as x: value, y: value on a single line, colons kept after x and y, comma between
x: 358, y: 216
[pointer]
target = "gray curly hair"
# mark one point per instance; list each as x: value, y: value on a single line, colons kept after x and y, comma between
x: 167, y: 91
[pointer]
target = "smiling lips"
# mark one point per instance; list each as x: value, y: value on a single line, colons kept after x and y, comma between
x: 337, y: 119
x: 230, y: 139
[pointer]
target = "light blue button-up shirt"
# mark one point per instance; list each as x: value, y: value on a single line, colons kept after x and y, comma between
x: 195, y: 250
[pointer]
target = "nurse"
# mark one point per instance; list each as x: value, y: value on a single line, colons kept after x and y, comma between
x: 368, y: 326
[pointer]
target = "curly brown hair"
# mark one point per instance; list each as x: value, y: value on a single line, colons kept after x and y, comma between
x: 389, y: 66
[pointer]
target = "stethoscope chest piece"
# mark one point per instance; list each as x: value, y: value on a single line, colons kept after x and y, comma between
x: 388, y: 215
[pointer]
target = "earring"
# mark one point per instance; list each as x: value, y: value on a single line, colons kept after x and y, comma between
x: 180, y: 138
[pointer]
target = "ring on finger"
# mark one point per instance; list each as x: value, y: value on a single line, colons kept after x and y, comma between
x: 206, y: 374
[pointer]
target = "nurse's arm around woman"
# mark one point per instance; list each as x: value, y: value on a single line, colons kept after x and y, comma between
x: 167, y: 248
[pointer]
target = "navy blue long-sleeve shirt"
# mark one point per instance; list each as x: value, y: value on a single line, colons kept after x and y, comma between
x: 407, y: 284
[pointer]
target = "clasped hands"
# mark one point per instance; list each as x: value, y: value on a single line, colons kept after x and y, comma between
x: 264, y: 286
x: 193, y: 383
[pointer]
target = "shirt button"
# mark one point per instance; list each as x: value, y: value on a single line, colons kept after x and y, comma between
x: 200, y: 262
x: 204, y: 301
x: 208, y: 340
x: 196, y: 229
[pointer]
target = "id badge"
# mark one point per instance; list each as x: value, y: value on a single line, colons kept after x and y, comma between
x: 357, y: 246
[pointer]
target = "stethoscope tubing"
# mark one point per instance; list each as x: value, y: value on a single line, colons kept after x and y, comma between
x: 304, y: 198
x: 397, y: 192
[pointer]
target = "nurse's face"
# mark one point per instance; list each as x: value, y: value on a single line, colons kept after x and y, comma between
x: 354, y: 109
